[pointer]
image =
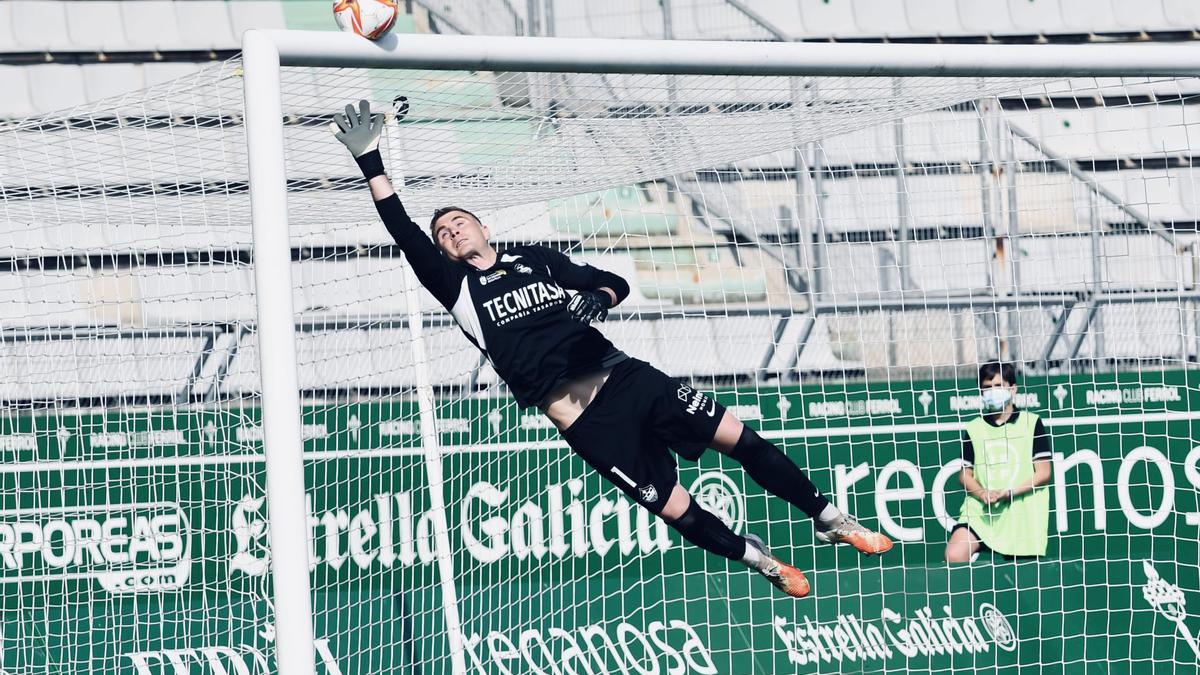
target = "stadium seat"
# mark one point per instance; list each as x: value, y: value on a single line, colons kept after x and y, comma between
x: 1182, y: 14
x: 985, y: 17
x: 1069, y: 132
x: 104, y: 80
x: 612, y: 19
x: 97, y: 26
x: 177, y: 294
x: 881, y: 18
x: 1034, y: 17
x: 17, y: 102
x: 80, y: 368
x: 247, y: 14
x: 824, y: 19
x: 8, y: 41
x: 150, y: 24
x: 1172, y: 127
x: 205, y: 24
x: 158, y: 73
x: 55, y: 87
x: 1090, y: 16
x: 38, y: 25
x: 1140, y: 16
x: 931, y: 18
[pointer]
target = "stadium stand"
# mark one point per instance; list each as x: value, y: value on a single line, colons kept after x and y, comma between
x: 1136, y: 153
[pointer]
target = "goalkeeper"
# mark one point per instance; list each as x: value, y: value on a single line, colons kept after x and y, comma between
x: 618, y: 413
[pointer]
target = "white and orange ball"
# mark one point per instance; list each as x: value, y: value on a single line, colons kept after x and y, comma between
x: 371, y: 19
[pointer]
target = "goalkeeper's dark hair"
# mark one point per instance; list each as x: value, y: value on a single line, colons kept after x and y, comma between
x: 447, y: 209
x: 1007, y: 371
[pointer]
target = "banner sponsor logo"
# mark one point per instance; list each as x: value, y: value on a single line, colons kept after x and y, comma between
x: 1119, y: 395
x: 900, y: 480
x: 719, y: 495
x: 18, y: 443
x: 1169, y: 601
x: 854, y: 407
x: 852, y: 639
x: 974, y: 402
x: 125, y: 547
x: 156, y: 438
x: 671, y: 647
x: 240, y: 659
x: 389, y: 530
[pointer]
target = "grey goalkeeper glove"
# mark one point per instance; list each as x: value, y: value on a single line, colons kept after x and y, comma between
x: 359, y: 131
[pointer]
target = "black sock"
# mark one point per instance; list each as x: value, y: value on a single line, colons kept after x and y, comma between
x: 777, y: 474
x: 708, y: 532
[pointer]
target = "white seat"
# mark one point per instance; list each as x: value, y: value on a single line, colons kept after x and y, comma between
x: 55, y: 87
x: 105, y: 80
x: 1182, y: 14
x: 1139, y: 16
x: 1069, y: 133
x: 1124, y: 131
x: 881, y: 18
x: 613, y: 19
x: 38, y: 25
x: 783, y: 15
x: 1174, y: 129
x: 933, y: 17
x: 249, y: 14
x: 194, y: 294
x: 97, y: 26
x: 205, y: 24
x: 8, y: 41
x: 150, y: 24
x: 17, y: 102
x: 1037, y: 16
x: 828, y: 19
x: 1089, y: 16
x: 159, y: 73
x: 985, y: 17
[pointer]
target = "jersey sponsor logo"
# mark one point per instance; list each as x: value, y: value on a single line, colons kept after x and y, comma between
x: 494, y: 276
x: 849, y: 638
x: 695, y: 400
x: 126, y: 548
x: 524, y: 301
x: 719, y: 495
x: 522, y: 269
x: 649, y: 493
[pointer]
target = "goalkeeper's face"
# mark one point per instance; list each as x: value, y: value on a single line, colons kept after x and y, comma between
x: 460, y: 235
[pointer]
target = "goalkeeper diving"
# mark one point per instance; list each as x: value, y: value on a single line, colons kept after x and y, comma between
x: 619, y: 414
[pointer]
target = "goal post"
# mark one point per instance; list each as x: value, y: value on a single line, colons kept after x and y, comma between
x: 265, y: 52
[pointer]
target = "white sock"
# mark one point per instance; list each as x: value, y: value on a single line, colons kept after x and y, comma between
x: 829, y: 516
x: 752, y: 558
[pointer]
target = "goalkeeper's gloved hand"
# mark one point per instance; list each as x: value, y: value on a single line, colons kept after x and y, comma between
x: 589, y: 306
x: 359, y: 131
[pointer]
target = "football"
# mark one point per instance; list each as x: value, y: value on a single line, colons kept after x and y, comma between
x: 371, y: 19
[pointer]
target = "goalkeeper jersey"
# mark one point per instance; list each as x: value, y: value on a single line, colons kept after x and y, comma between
x: 515, y: 312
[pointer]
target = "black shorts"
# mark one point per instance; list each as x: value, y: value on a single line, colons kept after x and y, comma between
x: 983, y: 548
x: 639, y: 413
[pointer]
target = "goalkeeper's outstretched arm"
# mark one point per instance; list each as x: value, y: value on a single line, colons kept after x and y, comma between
x: 359, y: 131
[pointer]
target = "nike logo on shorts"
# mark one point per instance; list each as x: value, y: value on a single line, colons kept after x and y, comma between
x: 712, y: 409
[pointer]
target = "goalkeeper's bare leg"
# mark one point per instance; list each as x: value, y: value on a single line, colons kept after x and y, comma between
x: 780, y: 476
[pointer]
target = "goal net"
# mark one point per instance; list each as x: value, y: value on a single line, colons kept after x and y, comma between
x: 832, y: 256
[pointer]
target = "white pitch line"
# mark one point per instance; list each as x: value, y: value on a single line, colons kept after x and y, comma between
x: 367, y: 453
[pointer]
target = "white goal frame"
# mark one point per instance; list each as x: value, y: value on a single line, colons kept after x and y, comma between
x: 266, y: 51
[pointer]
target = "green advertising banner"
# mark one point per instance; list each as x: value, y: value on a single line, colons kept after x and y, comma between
x: 135, y: 541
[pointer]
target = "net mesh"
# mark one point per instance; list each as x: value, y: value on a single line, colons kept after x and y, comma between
x: 831, y: 256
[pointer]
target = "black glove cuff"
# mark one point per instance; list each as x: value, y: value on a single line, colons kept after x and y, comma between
x: 371, y: 164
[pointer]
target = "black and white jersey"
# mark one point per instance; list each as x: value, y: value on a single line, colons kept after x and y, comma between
x: 516, y: 311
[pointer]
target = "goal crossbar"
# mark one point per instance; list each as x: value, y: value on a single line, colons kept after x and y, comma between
x: 698, y: 57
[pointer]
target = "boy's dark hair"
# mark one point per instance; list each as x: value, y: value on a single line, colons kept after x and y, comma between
x: 447, y: 209
x: 1006, y: 371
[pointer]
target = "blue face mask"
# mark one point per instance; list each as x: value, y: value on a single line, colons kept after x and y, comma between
x: 995, y: 399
